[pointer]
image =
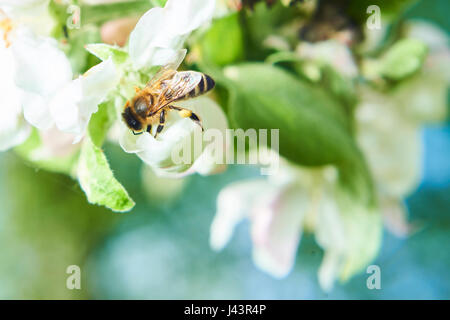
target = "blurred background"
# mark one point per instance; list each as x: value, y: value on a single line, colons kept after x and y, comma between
x: 160, y: 250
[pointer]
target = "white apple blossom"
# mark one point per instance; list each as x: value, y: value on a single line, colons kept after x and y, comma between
x: 281, y: 206
x: 39, y: 78
x: 157, y: 40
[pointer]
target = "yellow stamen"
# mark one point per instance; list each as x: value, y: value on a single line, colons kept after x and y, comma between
x: 7, y: 25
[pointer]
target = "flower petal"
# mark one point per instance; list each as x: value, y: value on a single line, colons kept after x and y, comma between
x: 395, y: 159
x: 36, y: 110
x: 233, y: 204
x: 188, y: 15
x: 276, y: 223
x: 33, y: 14
x: 350, y: 234
x: 13, y: 128
x: 161, y: 31
x: 73, y: 106
x: 41, y: 67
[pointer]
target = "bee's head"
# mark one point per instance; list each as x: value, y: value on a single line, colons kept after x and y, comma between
x: 131, y: 121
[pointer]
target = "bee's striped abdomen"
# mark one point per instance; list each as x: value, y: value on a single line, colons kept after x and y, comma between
x: 205, y: 85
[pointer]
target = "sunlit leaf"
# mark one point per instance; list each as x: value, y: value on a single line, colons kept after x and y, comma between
x: 98, y: 182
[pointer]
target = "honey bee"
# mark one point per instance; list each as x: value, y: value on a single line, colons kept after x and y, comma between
x: 151, y: 104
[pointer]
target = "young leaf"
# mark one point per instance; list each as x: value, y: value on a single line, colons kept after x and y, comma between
x: 97, y: 180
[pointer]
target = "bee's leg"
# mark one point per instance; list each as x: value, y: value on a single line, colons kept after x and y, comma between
x: 162, y: 120
x: 186, y: 113
x: 149, y: 128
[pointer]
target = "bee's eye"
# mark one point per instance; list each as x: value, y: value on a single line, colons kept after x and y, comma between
x: 140, y: 107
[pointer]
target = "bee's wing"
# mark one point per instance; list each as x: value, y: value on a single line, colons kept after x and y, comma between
x: 167, y: 71
x: 180, y: 85
x: 163, y: 74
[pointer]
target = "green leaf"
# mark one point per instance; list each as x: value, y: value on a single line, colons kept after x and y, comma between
x: 223, y: 43
x: 97, y: 180
x: 314, y: 129
x: 403, y: 59
x: 101, y: 121
x: 340, y: 87
x: 105, y: 51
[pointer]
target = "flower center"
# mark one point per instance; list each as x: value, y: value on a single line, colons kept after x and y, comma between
x: 6, y: 25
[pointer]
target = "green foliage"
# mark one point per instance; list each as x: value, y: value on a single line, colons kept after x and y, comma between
x: 340, y: 87
x: 223, y: 43
x: 403, y: 59
x: 314, y: 129
x: 260, y: 23
x: 94, y: 174
x: 101, y: 13
x: 389, y: 9
x: 97, y: 180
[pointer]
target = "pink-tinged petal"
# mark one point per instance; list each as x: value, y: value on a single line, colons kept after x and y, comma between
x: 395, y: 216
x: 276, y: 228
x: 56, y: 143
x: 234, y: 204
